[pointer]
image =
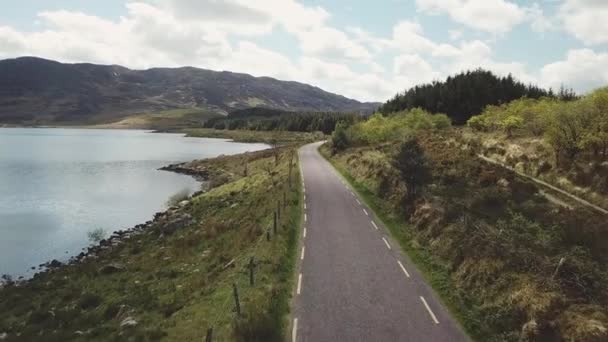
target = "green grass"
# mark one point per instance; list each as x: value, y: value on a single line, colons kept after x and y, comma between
x: 434, y: 271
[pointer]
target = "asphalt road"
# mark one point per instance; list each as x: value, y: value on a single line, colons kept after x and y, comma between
x: 354, y: 284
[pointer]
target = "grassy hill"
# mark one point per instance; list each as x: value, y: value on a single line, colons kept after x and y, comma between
x: 512, y: 259
x: 39, y: 91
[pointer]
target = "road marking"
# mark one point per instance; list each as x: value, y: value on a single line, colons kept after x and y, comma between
x: 302, y: 255
x: 403, y: 268
x: 374, y: 224
x: 294, y: 331
x: 358, y: 201
x: 304, y: 232
x: 305, y: 217
x: 365, y: 211
x: 429, y: 310
x: 304, y: 205
x: 352, y: 193
x: 386, y: 243
x: 299, y: 284
x: 304, y: 197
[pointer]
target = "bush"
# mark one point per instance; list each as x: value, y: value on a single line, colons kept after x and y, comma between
x: 96, y: 235
x: 413, y: 167
x: 339, y: 140
x: 89, y: 301
x: 177, y: 197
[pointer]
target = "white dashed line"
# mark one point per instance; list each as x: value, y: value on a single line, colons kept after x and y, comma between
x: 365, y: 211
x: 429, y: 310
x: 302, y: 255
x: 294, y: 331
x: 299, y: 284
x: 304, y: 205
x: 374, y: 224
x: 386, y: 243
x: 305, y: 218
x: 403, y: 269
x: 352, y: 193
x: 358, y: 201
x: 304, y: 231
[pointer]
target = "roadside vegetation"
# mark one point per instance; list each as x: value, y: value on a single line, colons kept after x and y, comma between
x: 562, y: 142
x: 507, y: 257
x: 172, y: 278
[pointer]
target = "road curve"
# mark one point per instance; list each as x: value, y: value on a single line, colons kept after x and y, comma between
x: 353, y: 282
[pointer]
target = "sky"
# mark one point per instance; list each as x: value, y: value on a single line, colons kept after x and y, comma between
x: 367, y: 50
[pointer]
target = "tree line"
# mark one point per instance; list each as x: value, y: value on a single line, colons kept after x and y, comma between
x: 467, y: 94
x: 264, y: 119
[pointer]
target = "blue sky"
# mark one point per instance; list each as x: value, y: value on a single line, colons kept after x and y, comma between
x: 367, y: 50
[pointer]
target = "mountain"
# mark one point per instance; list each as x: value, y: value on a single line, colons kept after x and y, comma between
x: 38, y: 91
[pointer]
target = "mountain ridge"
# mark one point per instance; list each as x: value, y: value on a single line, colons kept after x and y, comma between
x: 34, y: 90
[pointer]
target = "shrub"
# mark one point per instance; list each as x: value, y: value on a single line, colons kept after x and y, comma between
x: 96, y: 235
x: 89, y: 301
x: 339, y: 140
x: 178, y: 197
x: 413, y: 167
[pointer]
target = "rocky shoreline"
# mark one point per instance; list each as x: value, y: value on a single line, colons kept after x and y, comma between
x: 164, y: 223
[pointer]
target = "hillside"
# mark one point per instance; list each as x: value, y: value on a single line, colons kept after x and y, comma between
x: 516, y: 258
x: 39, y: 91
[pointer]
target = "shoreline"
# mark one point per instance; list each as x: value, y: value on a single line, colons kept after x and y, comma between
x: 119, y: 236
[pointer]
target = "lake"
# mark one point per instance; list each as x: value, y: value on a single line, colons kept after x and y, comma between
x: 58, y: 184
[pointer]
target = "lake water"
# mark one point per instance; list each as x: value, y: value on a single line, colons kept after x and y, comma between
x: 58, y: 184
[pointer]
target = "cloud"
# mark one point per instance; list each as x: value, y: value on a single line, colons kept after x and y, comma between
x: 586, y: 20
x: 583, y: 69
x: 494, y: 16
x: 410, y: 70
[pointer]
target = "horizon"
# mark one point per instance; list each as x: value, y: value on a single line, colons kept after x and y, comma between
x: 363, y: 51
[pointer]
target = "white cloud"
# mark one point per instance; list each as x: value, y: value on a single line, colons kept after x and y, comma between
x: 538, y: 21
x: 587, y: 20
x: 455, y: 34
x: 495, y: 16
x: 412, y: 69
x: 583, y: 69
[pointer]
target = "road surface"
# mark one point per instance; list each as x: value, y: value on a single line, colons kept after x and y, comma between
x: 353, y: 282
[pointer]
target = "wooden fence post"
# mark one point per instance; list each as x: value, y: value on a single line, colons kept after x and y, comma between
x: 237, y: 304
x: 275, y: 223
x: 209, y: 337
x: 251, y: 269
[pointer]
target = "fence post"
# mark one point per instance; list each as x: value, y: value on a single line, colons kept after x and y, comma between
x: 209, y: 337
x: 279, y: 209
x: 275, y: 223
x: 251, y: 268
x: 284, y: 200
x: 237, y: 304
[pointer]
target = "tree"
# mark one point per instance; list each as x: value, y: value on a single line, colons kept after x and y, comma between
x: 339, y: 140
x: 510, y: 123
x: 413, y: 166
x: 565, y: 132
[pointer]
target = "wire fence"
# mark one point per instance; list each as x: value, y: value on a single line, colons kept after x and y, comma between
x: 243, y: 277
